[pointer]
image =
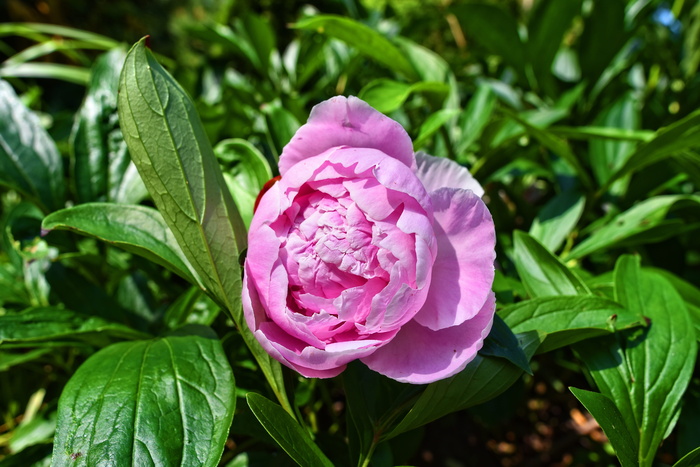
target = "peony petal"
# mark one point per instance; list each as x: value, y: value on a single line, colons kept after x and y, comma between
x: 438, y: 172
x: 418, y: 355
x: 464, y: 267
x: 342, y: 121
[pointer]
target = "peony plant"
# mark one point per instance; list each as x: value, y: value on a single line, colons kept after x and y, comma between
x: 365, y: 250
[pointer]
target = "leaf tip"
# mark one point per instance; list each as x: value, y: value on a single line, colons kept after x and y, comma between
x: 147, y: 41
x: 45, y: 232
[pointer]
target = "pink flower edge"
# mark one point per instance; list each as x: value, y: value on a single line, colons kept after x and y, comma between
x: 418, y: 355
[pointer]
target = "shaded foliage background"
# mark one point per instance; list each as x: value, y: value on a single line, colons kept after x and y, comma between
x: 580, y: 118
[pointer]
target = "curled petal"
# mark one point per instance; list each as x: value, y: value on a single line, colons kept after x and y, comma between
x: 463, y: 271
x: 438, y: 172
x: 350, y: 121
x: 419, y: 355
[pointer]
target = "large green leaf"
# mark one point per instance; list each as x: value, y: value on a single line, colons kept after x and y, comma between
x: 567, y: 320
x: 556, y: 220
x: 645, y: 372
x: 56, y: 325
x: 612, y: 423
x: 286, y: 432
x: 166, y: 401
x: 483, y: 379
x: 363, y: 38
x: 138, y: 229
x: 541, y: 272
x: 29, y: 160
x: 177, y: 163
x: 640, y: 218
x: 100, y: 156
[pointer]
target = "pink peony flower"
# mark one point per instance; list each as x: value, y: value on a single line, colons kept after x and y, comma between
x: 365, y: 250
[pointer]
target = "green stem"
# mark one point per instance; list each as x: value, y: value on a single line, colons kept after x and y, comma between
x: 368, y: 458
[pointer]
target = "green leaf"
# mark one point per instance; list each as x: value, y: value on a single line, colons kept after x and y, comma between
x: 10, y: 359
x: 258, y: 38
x: 176, y: 162
x: 432, y: 124
x: 612, y: 423
x: 166, y: 401
x: 640, y: 218
x: 30, y: 30
x: 137, y: 229
x: 192, y: 307
x: 557, y: 219
x: 501, y: 342
x: 692, y: 459
x: 541, y: 272
x: 429, y: 65
x: 608, y: 156
x: 372, y: 413
x: 645, y: 372
x: 69, y: 73
x: 678, y: 136
x: 552, y: 142
x: 281, y: 125
x: 602, y: 37
x: 549, y: 21
x: 689, y: 292
x: 286, y: 432
x: 246, y: 171
x: 475, y: 117
x: 606, y: 133
x: 363, y: 38
x: 567, y: 320
x: 99, y: 153
x: 387, y: 95
x: 51, y: 324
x: 496, y: 30
x: 29, y: 160
x: 482, y: 380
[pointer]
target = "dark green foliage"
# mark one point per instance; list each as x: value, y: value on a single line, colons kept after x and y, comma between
x: 128, y: 180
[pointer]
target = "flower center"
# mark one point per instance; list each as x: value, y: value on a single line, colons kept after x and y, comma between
x: 329, y: 248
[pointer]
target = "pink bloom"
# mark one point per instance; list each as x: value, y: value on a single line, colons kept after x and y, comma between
x: 365, y: 250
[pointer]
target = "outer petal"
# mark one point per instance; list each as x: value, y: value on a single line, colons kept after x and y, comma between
x: 463, y: 271
x: 350, y: 121
x: 438, y: 172
x: 418, y: 355
x: 307, y: 360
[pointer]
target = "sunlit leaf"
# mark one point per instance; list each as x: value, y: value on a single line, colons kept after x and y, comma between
x: 168, y: 401
x: 541, y: 272
x: 363, y: 38
x: 138, y: 229
x: 556, y: 220
x: 646, y: 371
x: 567, y: 320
